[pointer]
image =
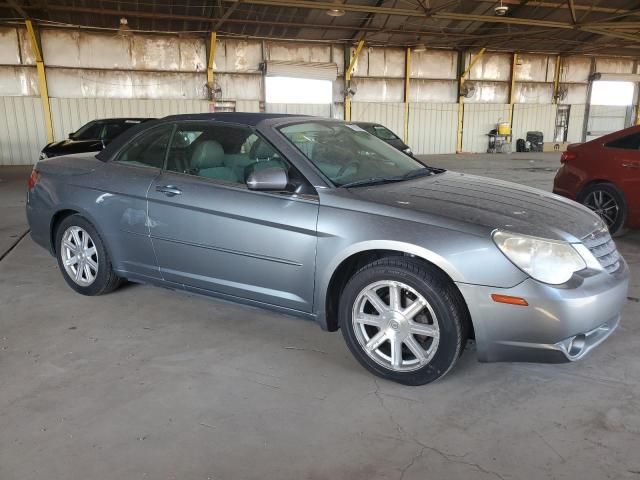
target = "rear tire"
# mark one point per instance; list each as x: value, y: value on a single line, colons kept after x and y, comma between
x: 83, y: 259
x: 403, y: 320
x: 606, y: 200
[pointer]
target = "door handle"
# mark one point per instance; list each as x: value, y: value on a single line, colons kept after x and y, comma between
x: 631, y: 165
x: 168, y: 190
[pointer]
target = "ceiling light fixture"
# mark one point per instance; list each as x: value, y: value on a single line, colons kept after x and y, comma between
x: 501, y: 10
x: 336, y: 12
x: 124, y: 29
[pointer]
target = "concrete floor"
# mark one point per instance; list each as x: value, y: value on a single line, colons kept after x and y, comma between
x: 152, y: 384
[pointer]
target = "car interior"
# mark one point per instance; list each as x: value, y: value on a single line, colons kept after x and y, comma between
x: 228, y: 154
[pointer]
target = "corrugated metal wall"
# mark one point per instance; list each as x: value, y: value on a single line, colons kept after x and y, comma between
x: 576, y: 120
x: 479, y: 119
x: 532, y: 117
x: 391, y: 115
x: 69, y: 114
x: 97, y: 74
x: 247, y: 106
x: 22, y: 132
x: 433, y: 127
x: 319, y: 110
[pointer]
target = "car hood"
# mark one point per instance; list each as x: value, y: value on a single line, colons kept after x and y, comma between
x: 487, y: 202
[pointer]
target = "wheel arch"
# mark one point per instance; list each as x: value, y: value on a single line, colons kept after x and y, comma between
x: 56, y: 219
x: 65, y: 212
x: 598, y: 181
x: 350, y: 262
x: 629, y: 209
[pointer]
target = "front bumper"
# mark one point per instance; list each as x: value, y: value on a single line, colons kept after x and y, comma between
x: 560, y: 324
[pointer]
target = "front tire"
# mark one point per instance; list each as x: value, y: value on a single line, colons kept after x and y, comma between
x: 606, y: 200
x: 83, y: 259
x: 404, y: 321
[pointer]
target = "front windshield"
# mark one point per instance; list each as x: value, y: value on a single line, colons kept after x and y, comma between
x: 347, y: 154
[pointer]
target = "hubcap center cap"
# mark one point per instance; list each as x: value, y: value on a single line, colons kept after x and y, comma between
x: 397, y: 325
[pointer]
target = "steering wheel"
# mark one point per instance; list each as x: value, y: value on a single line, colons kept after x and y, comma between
x: 346, y: 166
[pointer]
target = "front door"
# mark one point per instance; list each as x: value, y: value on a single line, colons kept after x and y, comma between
x: 209, y: 231
x: 122, y: 206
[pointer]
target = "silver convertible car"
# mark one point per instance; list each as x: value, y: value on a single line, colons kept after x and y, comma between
x: 318, y: 218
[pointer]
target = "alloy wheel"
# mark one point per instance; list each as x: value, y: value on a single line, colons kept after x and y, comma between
x: 395, y: 326
x: 604, y: 205
x: 79, y: 256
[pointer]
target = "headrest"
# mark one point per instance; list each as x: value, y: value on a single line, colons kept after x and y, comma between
x: 207, y: 154
x: 262, y: 150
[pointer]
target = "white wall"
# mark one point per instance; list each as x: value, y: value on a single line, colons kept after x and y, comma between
x: 576, y: 122
x: 478, y: 120
x: 530, y: 117
x: 433, y: 127
x: 22, y: 132
x: 391, y: 115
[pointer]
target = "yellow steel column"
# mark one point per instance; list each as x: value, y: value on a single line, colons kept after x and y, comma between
x: 461, y: 97
x: 460, y: 118
x: 556, y: 80
x: 42, y: 80
x: 211, y: 60
x: 407, y: 86
x: 347, y: 80
x: 512, y: 88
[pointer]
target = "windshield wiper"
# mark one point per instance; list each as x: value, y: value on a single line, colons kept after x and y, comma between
x: 379, y: 180
x: 368, y: 181
x: 422, y: 172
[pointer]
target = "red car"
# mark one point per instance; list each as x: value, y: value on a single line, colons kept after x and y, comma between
x: 604, y: 175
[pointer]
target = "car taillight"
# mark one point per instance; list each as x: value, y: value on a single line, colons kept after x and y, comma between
x: 33, y: 179
x: 567, y: 156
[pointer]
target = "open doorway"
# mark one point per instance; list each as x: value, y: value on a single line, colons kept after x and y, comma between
x: 308, y: 96
x: 562, y: 123
x: 611, y: 107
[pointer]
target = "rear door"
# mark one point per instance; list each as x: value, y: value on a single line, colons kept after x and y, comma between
x: 210, y: 232
x: 623, y: 167
x: 623, y: 164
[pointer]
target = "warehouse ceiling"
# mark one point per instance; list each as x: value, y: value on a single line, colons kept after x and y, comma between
x: 609, y: 27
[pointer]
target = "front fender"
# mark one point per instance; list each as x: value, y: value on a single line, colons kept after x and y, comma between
x: 466, y: 257
x: 399, y: 246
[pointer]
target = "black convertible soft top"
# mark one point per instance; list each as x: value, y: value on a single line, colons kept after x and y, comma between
x: 240, y: 118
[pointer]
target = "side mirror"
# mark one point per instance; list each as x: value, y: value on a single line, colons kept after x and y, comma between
x: 273, y: 178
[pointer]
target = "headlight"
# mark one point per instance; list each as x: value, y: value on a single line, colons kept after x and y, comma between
x: 548, y: 261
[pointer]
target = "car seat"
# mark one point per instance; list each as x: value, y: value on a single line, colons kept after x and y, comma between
x: 238, y: 162
x: 207, y: 160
